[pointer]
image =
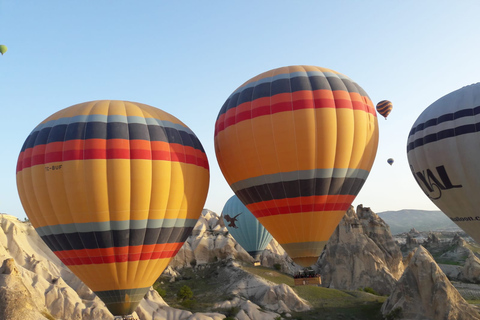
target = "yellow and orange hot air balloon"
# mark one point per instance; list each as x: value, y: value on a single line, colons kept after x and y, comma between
x: 296, y: 145
x: 384, y: 107
x: 114, y: 189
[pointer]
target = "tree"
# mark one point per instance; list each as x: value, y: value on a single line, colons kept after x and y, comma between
x: 184, y: 293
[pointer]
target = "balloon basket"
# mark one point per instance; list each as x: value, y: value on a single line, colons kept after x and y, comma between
x: 127, y: 317
x: 307, y: 278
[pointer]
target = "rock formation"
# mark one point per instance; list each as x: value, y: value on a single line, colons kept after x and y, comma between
x: 424, y: 292
x: 471, y: 270
x: 210, y: 242
x: 361, y: 253
x: 34, y: 284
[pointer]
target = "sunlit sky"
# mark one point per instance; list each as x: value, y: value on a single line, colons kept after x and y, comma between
x: 187, y: 57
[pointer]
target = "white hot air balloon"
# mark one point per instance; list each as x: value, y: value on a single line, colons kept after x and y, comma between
x: 443, y: 150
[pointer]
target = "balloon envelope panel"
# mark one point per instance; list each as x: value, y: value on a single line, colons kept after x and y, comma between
x: 443, y: 150
x: 114, y: 188
x: 245, y: 228
x: 296, y: 145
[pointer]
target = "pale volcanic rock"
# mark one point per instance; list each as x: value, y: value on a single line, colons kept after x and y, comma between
x: 17, y: 301
x: 210, y: 241
x: 33, y: 275
x: 471, y: 270
x: 262, y: 292
x: 248, y: 310
x: 458, y: 250
x: 361, y: 253
x: 424, y: 292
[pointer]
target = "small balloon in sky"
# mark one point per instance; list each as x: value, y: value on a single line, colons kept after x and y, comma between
x: 384, y: 107
x: 3, y: 49
x: 390, y: 161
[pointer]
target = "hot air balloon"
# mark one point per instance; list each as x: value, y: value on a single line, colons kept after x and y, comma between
x: 384, y: 107
x: 245, y: 228
x: 296, y: 145
x: 443, y: 154
x: 3, y: 49
x: 114, y: 188
x: 390, y: 161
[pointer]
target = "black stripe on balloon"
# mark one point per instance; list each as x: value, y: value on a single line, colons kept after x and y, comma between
x: 300, y: 188
x: 444, y: 134
x: 111, y: 130
x: 444, y: 118
x: 268, y: 89
x: 116, y: 238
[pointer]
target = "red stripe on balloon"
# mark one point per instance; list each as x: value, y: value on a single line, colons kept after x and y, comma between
x: 121, y: 254
x: 264, y: 106
x: 43, y: 154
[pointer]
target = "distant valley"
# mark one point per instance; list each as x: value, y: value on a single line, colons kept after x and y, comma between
x: 422, y: 220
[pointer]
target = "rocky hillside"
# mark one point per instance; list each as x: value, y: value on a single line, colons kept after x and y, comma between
x: 361, y: 253
x: 34, y: 284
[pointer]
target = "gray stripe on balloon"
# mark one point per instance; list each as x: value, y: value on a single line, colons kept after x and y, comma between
x: 300, y: 175
x: 115, y: 225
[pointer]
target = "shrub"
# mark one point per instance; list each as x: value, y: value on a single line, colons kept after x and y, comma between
x: 371, y: 290
x: 394, y: 314
x: 188, y: 303
x: 277, y: 266
x: 185, y: 293
x: 161, y: 292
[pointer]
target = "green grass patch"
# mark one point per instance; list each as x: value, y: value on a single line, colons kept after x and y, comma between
x: 272, y: 275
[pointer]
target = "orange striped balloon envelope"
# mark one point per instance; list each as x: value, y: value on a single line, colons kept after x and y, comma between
x: 296, y: 144
x: 384, y: 107
x: 114, y: 188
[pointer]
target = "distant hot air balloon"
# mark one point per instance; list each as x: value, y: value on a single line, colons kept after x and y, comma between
x: 443, y: 152
x: 245, y: 228
x: 296, y: 145
x: 114, y: 188
x: 384, y: 107
x: 390, y: 161
x: 3, y: 49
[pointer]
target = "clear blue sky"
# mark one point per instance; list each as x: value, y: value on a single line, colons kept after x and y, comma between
x: 186, y: 57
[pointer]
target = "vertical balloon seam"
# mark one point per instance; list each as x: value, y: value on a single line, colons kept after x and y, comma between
x: 107, y: 165
x: 160, y: 122
x: 255, y: 84
x: 287, y: 226
x: 301, y: 196
x: 149, y: 269
x: 131, y: 265
x: 333, y: 135
x: 460, y: 171
x: 456, y: 139
x: 327, y: 77
x: 151, y: 216
x: 23, y: 177
x: 60, y: 248
x: 142, y: 250
x: 316, y: 153
x: 75, y: 255
x: 173, y: 237
x: 291, y: 118
x: 54, y: 212
x: 366, y: 120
